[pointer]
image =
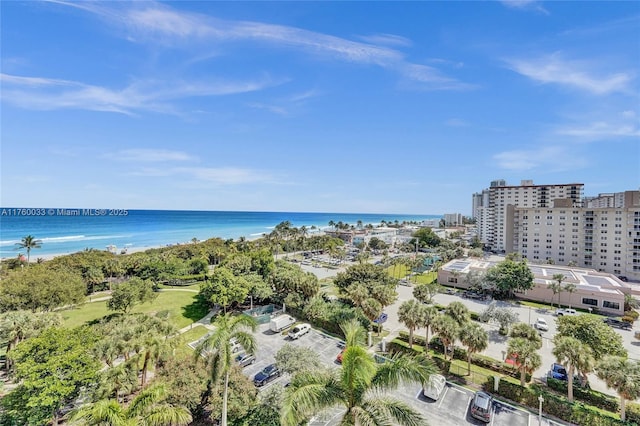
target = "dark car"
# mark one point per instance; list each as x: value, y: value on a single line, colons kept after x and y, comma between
x: 269, y: 373
x: 245, y: 359
x: 558, y: 372
x: 625, y: 325
x: 481, y: 406
x: 381, y: 319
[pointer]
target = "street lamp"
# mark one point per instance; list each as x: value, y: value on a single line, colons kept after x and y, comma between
x: 540, y: 400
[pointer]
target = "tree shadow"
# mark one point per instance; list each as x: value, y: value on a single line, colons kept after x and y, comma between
x: 496, y: 337
x: 196, y: 310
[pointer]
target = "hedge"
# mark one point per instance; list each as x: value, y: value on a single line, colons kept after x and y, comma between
x: 592, y: 397
x: 460, y: 353
x: 555, y: 405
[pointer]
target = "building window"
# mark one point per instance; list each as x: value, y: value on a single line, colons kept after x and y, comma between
x: 587, y: 301
x: 452, y: 280
x: 610, y: 305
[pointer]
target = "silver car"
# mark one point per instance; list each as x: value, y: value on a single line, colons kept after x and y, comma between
x: 245, y: 359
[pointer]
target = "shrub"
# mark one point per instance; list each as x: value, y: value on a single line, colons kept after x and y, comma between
x: 592, y: 397
x: 628, y: 318
x: 632, y: 411
x: 554, y: 405
x: 632, y: 313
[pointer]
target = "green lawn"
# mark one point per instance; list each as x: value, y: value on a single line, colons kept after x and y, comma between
x: 183, y: 306
x: 188, y: 337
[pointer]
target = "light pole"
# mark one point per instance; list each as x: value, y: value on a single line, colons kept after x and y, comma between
x: 540, y: 400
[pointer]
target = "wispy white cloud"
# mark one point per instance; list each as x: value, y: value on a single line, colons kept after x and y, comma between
x: 386, y: 39
x: 525, y: 5
x: 547, y: 159
x: 601, y: 130
x: 157, y: 23
x: 601, y: 124
x: 149, y: 155
x: 213, y: 175
x: 42, y: 93
x: 581, y: 75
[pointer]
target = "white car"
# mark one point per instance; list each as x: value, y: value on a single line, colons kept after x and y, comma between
x: 541, y: 325
x: 299, y: 330
x: 561, y: 312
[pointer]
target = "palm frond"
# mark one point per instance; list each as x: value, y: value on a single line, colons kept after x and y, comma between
x: 146, y: 399
x: 168, y: 415
x: 391, y: 411
x: 310, y: 393
x: 105, y: 412
x: 354, y: 333
x: 402, y: 368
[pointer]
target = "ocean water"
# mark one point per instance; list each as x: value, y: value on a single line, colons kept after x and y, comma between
x: 64, y: 231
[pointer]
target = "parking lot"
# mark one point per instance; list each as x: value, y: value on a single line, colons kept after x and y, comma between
x: 452, y: 408
x: 269, y: 344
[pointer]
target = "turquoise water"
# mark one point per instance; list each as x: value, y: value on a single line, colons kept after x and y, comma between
x: 73, y: 230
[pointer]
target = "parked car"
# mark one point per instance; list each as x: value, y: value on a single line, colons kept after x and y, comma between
x: 269, y: 373
x: 381, y: 319
x: 434, y: 387
x: 235, y: 345
x: 541, y: 324
x: 561, y: 312
x: 625, y: 325
x: 299, y: 331
x: 474, y: 295
x: 481, y: 406
x: 245, y: 359
x: 558, y: 372
x: 339, y: 357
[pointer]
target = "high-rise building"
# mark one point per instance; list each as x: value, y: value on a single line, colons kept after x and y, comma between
x: 494, y: 217
x: 452, y: 219
x: 603, y: 238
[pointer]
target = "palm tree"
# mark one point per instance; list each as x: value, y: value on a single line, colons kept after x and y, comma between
x: 525, y: 355
x: 429, y: 314
x: 458, y: 311
x: 574, y: 355
x: 357, y: 386
x: 217, y: 347
x: 29, y: 242
x: 147, y: 409
x: 556, y: 287
x: 623, y: 375
x: 570, y: 288
x: 526, y: 332
x: 410, y: 314
x: 447, y: 330
x: 475, y: 338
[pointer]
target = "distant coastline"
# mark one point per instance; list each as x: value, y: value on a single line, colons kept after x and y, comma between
x: 139, y: 230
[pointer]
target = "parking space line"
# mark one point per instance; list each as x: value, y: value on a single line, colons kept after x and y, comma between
x: 466, y: 412
x: 443, y: 395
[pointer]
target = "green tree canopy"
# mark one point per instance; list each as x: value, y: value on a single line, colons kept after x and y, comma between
x: 591, y: 331
x: 129, y: 294
x: 224, y: 288
x: 510, y: 275
x: 41, y: 288
x: 575, y: 356
x: 51, y: 370
x: 292, y: 359
x: 426, y: 237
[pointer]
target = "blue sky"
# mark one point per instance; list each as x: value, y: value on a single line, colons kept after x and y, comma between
x: 381, y: 107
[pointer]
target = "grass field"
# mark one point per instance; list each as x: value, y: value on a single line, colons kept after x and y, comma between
x: 184, y: 308
x: 188, y: 337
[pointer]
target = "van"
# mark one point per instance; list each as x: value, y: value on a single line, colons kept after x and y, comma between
x: 434, y: 387
x: 281, y: 323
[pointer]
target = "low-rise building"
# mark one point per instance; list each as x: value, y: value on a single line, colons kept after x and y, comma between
x: 599, y: 291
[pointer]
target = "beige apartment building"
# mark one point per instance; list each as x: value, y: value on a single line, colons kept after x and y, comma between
x: 493, y: 208
x: 606, y: 239
x: 596, y: 290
